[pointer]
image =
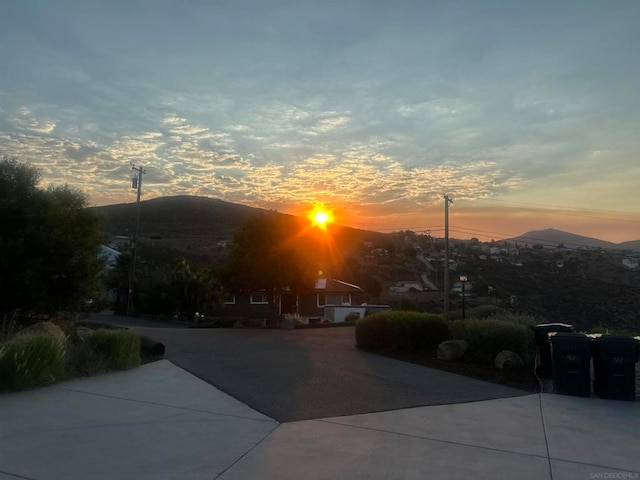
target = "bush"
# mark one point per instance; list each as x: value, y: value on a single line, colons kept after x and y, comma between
x: 352, y: 317
x: 84, y: 361
x: 121, y: 348
x: 487, y: 338
x: 401, y: 330
x: 518, y: 318
x: 486, y: 311
x: 230, y: 322
x: 31, y: 360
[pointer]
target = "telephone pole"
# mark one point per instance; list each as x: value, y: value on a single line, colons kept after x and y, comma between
x: 447, y: 201
x: 135, y: 183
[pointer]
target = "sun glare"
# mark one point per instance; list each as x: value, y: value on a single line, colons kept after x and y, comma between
x: 321, y: 217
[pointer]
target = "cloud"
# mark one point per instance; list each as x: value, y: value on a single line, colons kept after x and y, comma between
x: 374, y: 107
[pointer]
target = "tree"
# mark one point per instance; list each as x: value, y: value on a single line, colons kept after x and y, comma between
x: 194, y: 290
x: 271, y: 253
x: 48, y: 243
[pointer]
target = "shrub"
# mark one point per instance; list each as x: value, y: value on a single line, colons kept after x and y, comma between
x: 486, y: 311
x: 401, y: 329
x: 31, y: 360
x: 487, y: 338
x: 519, y: 318
x: 83, y: 360
x: 121, y: 348
x: 352, y: 317
x: 230, y: 322
x: 296, y: 319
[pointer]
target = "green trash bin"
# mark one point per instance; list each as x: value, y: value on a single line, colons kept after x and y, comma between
x: 541, y: 333
x: 614, y: 365
x: 571, y: 356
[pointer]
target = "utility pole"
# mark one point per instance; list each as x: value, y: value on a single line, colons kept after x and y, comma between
x: 135, y: 183
x: 447, y: 201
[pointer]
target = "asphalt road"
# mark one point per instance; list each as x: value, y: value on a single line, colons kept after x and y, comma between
x: 294, y: 375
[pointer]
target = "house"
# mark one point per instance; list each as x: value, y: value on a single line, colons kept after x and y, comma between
x: 109, y: 255
x: 326, y: 291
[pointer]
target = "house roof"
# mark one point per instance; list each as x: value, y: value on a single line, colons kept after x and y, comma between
x: 333, y: 285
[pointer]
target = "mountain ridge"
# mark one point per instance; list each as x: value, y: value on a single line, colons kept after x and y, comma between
x: 183, y: 216
x: 553, y: 237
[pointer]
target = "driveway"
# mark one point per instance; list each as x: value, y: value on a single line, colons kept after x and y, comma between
x: 305, y: 374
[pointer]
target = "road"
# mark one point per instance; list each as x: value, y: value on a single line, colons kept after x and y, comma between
x: 303, y: 374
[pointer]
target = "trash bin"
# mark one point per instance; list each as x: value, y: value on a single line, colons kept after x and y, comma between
x: 541, y: 333
x: 614, y: 365
x: 571, y: 356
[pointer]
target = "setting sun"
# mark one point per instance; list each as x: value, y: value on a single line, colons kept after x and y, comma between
x: 321, y: 217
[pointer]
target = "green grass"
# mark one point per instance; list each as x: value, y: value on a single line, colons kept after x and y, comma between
x: 120, y: 348
x: 31, y: 360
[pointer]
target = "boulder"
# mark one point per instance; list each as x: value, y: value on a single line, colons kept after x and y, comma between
x: 47, y: 328
x: 452, y: 349
x: 151, y: 347
x: 508, y: 359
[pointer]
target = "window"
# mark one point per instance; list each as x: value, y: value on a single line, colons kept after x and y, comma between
x: 334, y: 299
x: 259, y: 298
x: 229, y: 299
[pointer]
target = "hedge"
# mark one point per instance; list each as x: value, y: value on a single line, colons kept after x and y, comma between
x: 401, y: 330
x: 487, y: 338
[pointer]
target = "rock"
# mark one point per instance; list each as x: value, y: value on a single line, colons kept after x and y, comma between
x: 238, y: 325
x: 46, y: 327
x: 151, y: 347
x: 508, y: 359
x: 452, y: 349
x: 287, y: 323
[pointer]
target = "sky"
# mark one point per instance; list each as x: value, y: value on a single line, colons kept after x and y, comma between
x: 526, y: 113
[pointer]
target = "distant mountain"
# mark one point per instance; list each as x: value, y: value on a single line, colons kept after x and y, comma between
x: 553, y: 237
x: 632, y: 245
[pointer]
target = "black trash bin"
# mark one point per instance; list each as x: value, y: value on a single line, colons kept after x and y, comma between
x: 571, y: 356
x: 614, y: 365
x: 541, y: 333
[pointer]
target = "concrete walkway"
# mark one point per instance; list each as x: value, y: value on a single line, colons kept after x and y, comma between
x: 160, y: 422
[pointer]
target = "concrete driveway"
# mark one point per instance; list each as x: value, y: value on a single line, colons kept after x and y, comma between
x: 305, y: 374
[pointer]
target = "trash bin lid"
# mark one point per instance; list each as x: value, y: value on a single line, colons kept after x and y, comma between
x: 618, y: 343
x: 542, y: 330
x: 570, y: 339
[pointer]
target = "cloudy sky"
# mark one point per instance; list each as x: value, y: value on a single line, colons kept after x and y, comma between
x: 526, y: 113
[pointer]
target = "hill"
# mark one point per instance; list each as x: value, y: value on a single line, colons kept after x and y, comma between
x: 197, y: 226
x: 631, y: 245
x: 552, y: 238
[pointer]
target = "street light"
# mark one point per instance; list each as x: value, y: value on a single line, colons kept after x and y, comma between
x: 463, y: 280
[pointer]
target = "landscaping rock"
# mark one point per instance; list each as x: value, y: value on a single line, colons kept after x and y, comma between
x: 46, y: 327
x: 452, y: 349
x: 508, y: 359
x: 150, y: 347
x: 287, y: 323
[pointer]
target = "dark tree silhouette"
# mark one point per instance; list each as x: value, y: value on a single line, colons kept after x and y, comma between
x: 48, y: 243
